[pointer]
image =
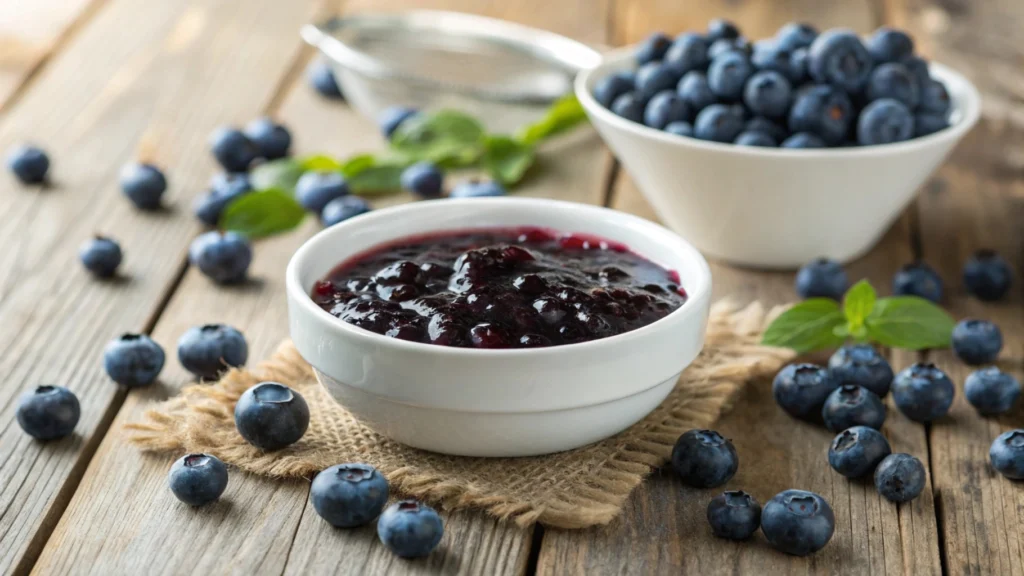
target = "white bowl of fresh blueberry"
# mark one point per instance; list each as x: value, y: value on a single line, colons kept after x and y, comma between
x: 774, y: 153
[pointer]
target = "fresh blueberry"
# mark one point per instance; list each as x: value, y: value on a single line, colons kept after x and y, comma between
x: 883, y: 122
x: 803, y: 140
x: 991, y: 391
x: 821, y: 278
x: 655, y: 77
x: 728, y: 74
x: 143, y: 184
x: 918, y: 68
x: 721, y: 28
x: 607, y: 89
x: 391, y: 118
x: 29, y: 164
x: 410, y: 529
x: 315, y: 189
x: 694, y: 90
x: 851, y: 405
x: 652, y: 49
x: 224, y: 189
x: 918, y: 279
x: 133, y: 360
x: 477, y: 189
x: 987, y: 275
x: 837, y: 57
x: 824, y: 111
x: 718, y: 123
x: 923, y: 392
x: 341, y: 209
x: 977, y: 342
x: 101, y: 256
x: 272, y: 140
x: 723, y: 45
x: 798, y: 522
x: 801, y: 389
x: 766, y: 126
x: 935, y: 98
x: 232, y: 149
x: 630, y: 106
x: 893, y: 80
x: 758, y: 139
x: 795, y: 35
x: 222, y: 256
x: 198, y: 479
x: 900, y: 477
x: 704, y: 459
x: 321, y: 76
x: 889, y: 45
x: 211, y: 349
x: 680, y: 129
x: 666, y: 107
x: 349, y: 495
x: 856, y: 451
x: 423, y: 179
x: 861, y: 365
x: 798, y: 62
x: 768, y: 93
x: 1007, y: 454
x: 48, y: 412
x: 271, y: 416
x: 771, y: 57
x: 925, y: 123
x: 689, y: 51
x: 734, y: 515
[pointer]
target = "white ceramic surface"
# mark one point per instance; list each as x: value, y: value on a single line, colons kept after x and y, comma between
x: 497, y: 402
x: 773, y: 208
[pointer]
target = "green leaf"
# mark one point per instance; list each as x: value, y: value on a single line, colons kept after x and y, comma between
x: 283, y: 174
x: 357, y: 164
x: 507, y: 160
x: 447, y: 137
x: 380, y: 178
x: 320, y: 163
x: 909, y: 322
x: 262, y: 213
x: 564, y: 114
x: 808, y: 326
x: 857, y: 305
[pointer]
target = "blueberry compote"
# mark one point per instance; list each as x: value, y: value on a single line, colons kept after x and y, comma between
x: 500, y: 288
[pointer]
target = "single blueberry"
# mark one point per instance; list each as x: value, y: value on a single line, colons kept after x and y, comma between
x: 795, y: 35
x: 630, y: 106
x: 723, y: 45
x: 101, y: 256
x: 935, y: 98
x: 224, y: 189
x: 894, y: 81
x: 341, y: 209
x: 224, y: 257
x: 680, y: 129
x: 391, y: 118
x: 925, y: 124
x: 664, y: 108
x: 753, y: 138
x: 918, y: 279
x: 991, y: 391
x: 1007, y: 454
x: 821, y: 278
x: 655, y: 77
x: 694, y: 90
x: 772, y: 57
x: 851, y: 405
x: 768, y: 93
x: 272, y: 140
x: 718, y: 123
x: 734, y: 515
x: 271, y: 416
x: 477, y: 189
x: 856, y: 451
x: 769, y: 127
x: 803, y: 140
x: 316, y: 188
x: 889, y: 45
x: 321, y: 77
x: 837, y: 57
x: 423, y: 179
x: 48, y: 412
x: 728, y: 74
x: 689, y: 51
x: 862, y: 365
x: 133, y: 360
x: 410, y: 529
x: 198, y: 479
x: 704, y: 459
x: 207, y: 351
x: 29, y: 164
x: 232, y: 149
x: 143, y: 184
x: 977, y: 341
x: 900, y: 477
x: 349, y: 495
x: 918, y: 68
x: 824, y: 111
x: 923, y: 392
x: 801, y: 389
x: 987, y: 275
x: 721, y: 28
x: 883, y: 122
x: 607, y: 89
x: 798, y: 522
x: 652, y: 49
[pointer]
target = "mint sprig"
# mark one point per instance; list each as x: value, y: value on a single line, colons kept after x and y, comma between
x: 898, y: 322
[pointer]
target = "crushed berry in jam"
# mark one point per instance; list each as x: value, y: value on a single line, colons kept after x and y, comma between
x: 500, y: 288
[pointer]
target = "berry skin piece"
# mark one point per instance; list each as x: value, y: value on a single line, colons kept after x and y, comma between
x: 101, y: 256
x: 889, y: 45
x: 232, y: 149
x: 862, y: 365
x: 900, y: 478
x: 935, y: 98
x: 224, y: 257
x: 391, y: 118
x: 607, y: 89
x: 987, y: 275
x: 883, y: 122
x: 652, y: 49
x: 824, y: 111
x: 718, y: 123
x: 801, y: 389
x: 48, y: 412
x: 925, y: 124
x: 655, y: 77
x: 423, y: 179
x: 720, y: 28
x: 849, y: 406
x: 822, y: 278
x: 680, y: 129
x: 410, y: 529
x: 923, y: 392
x: 803, y: 140
x: 133, y: 360
x: 977, y: 342
x: 991, y: 391
x: 224, y: 189
x: 768, y: 93
x: 666, y: 107
x: 315, y: 189
x: 272, y: 140
x: 689, y: 51
x: 271, y: 416
x: 1007, y: 454
x: 734, y: 515
x: 918, y: 279
x: 759, y: 139
x: 837, y: 57
x: 728, y: 74
x: 894, y: 81
x: 143, y: 184
x: 795, y: 35
x: 321, y: 78
x: 349, y: 495
x: 198, y: 479
x: 29, y: 164
x: 704, y: 459
x: 477, y: 189
x: 798, y: 522
x: 856, y: 451
x: 630, y: 106
x: 341, y: 209
x: 208, y: 350
x: 694, y: 90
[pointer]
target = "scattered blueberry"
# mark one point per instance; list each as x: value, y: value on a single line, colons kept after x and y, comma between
x: 315, y: 189
x: 143, y: 184
x: 987, y: 275
x: 349, y: 495
x: 925, y: 124
x: 768, y: 93
x: 977, y: 341
x: 720, y: 28
x: 900, y: 477
x: 232, y: 149
x: 211, y: 349
x: 101, y: 256
x: 728, y: 74
x: 222, y: 256
x: 680, y: 129
x: 688, y: 52
x: 935, y: 98
x: 803, y: 140
x: 824, y: 111
x: 630, y: 106
x: 883, y: 122
x: 271, y: 416
x: 655, y: 77
x: 391, y: 118
x: 856, y: 451
x: 272, y: 140
x: 760, y: 139
x: 423, y: 179
x: 734, y: 515
x: 801, y: 389
x: 918, y: 279
x: 133, y: 360
x: 890, y: 45
x: 341, y: 209
x: 321, y: 77
x: 862, y: 365
x: 822, y: 278
x: 694, y: 90
x: 477, y: 189
x: 198, y: 479
x: 798, y: 522
x: 838, y: 57
x: 704, y: 459
x: 991, y: 391
x: 795, y: 35
x: 410, y: 529
x: 923, y: 392
x: 652, y: 49
x: 607, y: 89
x: 718, y: 123
x: 664, y: 108
x: 851, y: 405
x: 29, y: 163
x: 1007, y: 454
x: 225, y: 188
x: 48, y: 412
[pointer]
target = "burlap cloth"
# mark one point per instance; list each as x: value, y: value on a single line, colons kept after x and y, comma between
x: 573, y: 489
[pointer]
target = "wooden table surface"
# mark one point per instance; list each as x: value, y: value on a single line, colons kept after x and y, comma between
x: 101, y: 82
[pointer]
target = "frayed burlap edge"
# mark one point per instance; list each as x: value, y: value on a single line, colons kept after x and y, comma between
x: 573, y: 489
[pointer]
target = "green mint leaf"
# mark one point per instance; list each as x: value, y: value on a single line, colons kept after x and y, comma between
x: 507, y: 160
x: 382, y: 177
x: 909, y: 322
x: 447, y: 137
x: 857, y: 305
x: 282, y: 174
x: 564, y: 114
x: 320, y: 163
x: 808, y: 326
x: 262, y: 213
x: 357, y: 164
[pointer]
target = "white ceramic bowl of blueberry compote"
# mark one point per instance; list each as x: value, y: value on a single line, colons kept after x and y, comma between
x: 564, y: 389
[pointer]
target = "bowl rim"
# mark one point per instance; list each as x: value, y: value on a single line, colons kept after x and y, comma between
x: 966, y: 102
x: 698, y: 288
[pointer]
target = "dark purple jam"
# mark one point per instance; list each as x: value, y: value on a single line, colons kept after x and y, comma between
x: 500, y: 288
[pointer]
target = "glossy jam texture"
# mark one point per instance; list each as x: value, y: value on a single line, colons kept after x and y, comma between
x: 500, y: 288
